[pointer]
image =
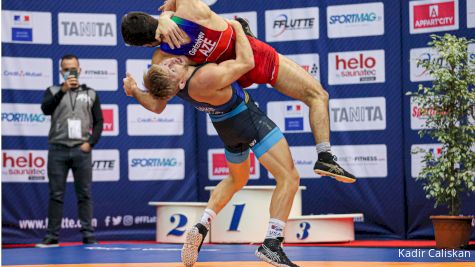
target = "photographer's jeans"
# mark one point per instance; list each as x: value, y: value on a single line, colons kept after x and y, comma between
x: 60, y: 160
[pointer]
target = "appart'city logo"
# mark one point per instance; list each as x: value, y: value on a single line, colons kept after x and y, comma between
x: 218, y: 167
x: 110, y: 113
x: 433, y: 16
x: 87, y: 29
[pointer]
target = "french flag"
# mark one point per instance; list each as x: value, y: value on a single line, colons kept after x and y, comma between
x: 294, y: 107
x: 20, y: 18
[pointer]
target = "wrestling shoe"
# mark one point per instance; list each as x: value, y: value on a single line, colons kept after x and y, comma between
x: 271, y: 252
x: 326, y: 166
x: 245, y: 26
x: 193, y: 241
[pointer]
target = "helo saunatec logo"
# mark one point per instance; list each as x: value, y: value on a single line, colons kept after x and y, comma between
x: 87, y: 29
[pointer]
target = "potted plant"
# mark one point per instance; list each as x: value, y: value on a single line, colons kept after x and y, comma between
x: 449, y: 105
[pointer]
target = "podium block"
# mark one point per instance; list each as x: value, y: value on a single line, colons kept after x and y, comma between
x: 173, y: 218
x: 321, y: 228
x: 245, y: 218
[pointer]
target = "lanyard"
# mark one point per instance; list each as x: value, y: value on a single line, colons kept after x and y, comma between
x: 73, y: 104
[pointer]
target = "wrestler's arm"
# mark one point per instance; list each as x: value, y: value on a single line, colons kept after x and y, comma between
x: 217, y: 76
x: 144, y: 98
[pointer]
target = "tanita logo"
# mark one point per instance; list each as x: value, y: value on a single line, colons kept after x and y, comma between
x: 87, y: 28
x: 357, y: 114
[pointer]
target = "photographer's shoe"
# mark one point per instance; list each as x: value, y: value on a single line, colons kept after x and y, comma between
x: 271, y: 252
x: 326, y: 166
x: 193, y: 241
x: 48, y: 242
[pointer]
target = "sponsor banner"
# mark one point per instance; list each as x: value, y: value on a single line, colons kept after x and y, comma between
x: 364, y: 161
x: 433, y: 16
x: 355, y: 20
x: 137, y: 68
x: 24, y: 120
x: 417, y: 156
x: 218, y: 168
x: 99, y: 74
x: 24, y: 166
x: 417, y: 57
x: 292, y: 24
x: 250, y: 16
x: 303, y: 160
x: 156, y: 164
x: 358, y: 114
x: 418, y: 117
x: 308, y: 62
x: 26, y: 27
x: 25, y: 73
x: 356, y: 67
x: 470, y: 13
x: 142, y: 122
x: 471, y: 54
x: 290, y: 116
x: 105, y: 166
x: 110, y: 113
x: 210, y: 130
x: 87, y: 29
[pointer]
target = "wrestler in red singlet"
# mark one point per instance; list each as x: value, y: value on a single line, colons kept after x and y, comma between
x: 208, y: 45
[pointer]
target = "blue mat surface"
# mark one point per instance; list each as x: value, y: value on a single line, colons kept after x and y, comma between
x: 119, y: 253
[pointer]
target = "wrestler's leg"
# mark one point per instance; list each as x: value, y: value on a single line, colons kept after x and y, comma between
x: 294, y: 81
x: 224, y: 191
x: 239, y: 171
x: 278, y: 161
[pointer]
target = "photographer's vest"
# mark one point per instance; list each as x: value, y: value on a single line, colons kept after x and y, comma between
x: 75, y: 104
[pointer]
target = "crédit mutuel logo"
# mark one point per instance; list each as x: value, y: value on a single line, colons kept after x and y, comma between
x: 433, y: 16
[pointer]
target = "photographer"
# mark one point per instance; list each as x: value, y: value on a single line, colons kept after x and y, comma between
x: 76, y: 126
